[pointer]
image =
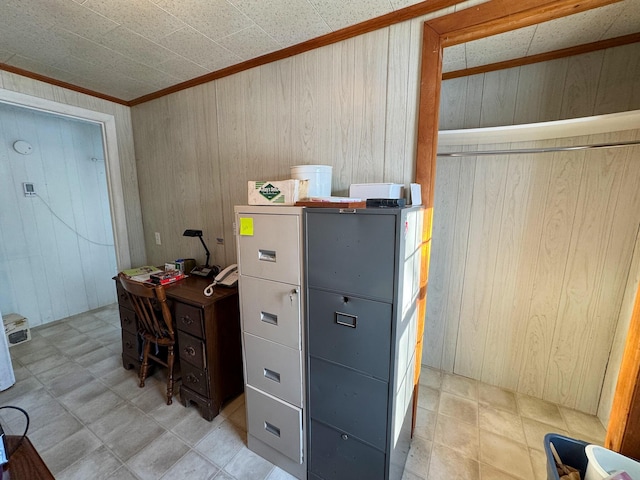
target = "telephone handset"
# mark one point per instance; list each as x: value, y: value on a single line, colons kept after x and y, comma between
x: 227, y: 278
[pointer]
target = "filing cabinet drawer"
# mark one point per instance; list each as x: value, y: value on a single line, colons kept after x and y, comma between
x: 274, y: 368
x: 195, y: 379
x: 351, y: 331
x: 271, y: 310
x: 272, y: 251
x: 130, y: 344
x: 189, y: 319
x: 336, y: 455
x: 352, y: 253
x: 191, y: 350
x: 350, y: 401
x: 128, y: 320
x: 274, y: 422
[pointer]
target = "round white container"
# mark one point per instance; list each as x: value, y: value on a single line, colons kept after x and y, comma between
x: 603, y: 462
x: 319, y: 177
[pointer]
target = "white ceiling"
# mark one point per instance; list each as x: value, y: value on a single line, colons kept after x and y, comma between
x: 130, y: 48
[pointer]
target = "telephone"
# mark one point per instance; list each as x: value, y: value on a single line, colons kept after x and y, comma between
x: 227, y: 278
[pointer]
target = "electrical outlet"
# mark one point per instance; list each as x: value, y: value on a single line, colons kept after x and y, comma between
x: 158, y: 242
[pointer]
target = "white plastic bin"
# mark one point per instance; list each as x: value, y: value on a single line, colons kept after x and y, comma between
x: 319, y: 177
x: 602, y: 462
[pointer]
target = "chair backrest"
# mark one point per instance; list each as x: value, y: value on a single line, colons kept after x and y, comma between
x: 150, y: 305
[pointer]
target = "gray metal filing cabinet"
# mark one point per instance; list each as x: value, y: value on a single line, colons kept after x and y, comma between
x: 362, y: 277
x: 269, y: 247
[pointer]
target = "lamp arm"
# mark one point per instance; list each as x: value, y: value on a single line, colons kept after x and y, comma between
x: 206, y: 250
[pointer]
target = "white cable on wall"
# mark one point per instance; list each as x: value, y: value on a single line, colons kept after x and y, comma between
x: 70, y: 227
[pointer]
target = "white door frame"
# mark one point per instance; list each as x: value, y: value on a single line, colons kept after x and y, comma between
x: 107, y: 123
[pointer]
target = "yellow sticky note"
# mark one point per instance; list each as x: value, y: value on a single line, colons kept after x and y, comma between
x: 246, y: 226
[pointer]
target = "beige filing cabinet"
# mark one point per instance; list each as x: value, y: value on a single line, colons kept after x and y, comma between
x: 269, y: 246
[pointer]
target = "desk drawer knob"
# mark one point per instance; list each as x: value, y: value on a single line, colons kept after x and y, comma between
x: 190, y: 351
x: 191, y: 378
x: 187, y: 320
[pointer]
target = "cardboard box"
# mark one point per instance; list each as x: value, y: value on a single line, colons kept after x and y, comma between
x: 376, y: 190
x: 16, y: 328
x: 280, y: 192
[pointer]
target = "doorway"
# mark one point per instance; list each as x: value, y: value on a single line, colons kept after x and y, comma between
x: 57, y: 253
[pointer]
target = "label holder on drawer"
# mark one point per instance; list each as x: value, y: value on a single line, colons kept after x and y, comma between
x: 346, y: 320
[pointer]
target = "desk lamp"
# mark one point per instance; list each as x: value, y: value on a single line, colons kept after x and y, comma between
x: 206, y: 270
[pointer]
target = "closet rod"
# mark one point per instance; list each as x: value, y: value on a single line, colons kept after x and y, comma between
x: 539, y: 150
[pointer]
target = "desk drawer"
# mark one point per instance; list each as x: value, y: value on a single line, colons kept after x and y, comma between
x: 189, y: 319
x: 123, y: 298
x: 195, y: 379
x: 128, y: 320
x: 130, y: 344
x: 271, y: 310
x: 191, y: 350
x: 276, y: 423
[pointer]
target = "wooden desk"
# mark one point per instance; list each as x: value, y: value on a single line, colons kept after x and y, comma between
x: 25, y: 463
x: 209, y: 342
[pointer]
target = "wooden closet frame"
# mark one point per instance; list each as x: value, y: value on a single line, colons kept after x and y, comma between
x: 484, y: 20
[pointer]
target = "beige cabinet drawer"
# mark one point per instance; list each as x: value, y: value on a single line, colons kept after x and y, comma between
x: 272, y: 251
x: 274, y: 368
x: 271, y: 310
x: 276, y: 423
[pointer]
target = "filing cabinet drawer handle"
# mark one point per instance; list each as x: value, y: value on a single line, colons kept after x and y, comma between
x: 269, y: 318
x: 346, y: 319
x: 272, y: 429
x: 271, y: 375
x: 267, y: 255
x: 190, y: 351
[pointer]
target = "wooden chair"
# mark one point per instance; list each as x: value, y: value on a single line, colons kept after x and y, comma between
x: 155, y: 326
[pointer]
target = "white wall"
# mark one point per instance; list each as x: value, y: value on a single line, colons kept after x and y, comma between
x: 126, y: 184
x: 49, y: 270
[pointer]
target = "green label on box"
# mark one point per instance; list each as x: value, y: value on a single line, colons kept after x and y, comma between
x: 269, y: 192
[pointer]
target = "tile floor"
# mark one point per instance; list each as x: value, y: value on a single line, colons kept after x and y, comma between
x: 89, y: 419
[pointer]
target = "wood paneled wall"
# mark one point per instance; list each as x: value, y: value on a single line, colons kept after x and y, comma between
x: 57, y: 253
x: 122, y: 116
x: 596, y: 83
x: 531, y: 253
x: 351, y: 105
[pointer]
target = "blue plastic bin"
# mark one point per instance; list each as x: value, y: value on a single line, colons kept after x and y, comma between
x: 570, y: 451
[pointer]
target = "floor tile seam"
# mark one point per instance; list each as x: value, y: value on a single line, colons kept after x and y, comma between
x: 73, y: 361
x: 102, y: 444
x: 573, y: 431
x: 525, y: 446
x: 191, y: 449
x: 131, y: 469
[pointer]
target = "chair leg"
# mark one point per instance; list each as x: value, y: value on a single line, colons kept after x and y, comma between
x: 144, y: 368
x: 170, y: 360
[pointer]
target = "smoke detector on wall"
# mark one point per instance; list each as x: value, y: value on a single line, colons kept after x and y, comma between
x: 22, y: 147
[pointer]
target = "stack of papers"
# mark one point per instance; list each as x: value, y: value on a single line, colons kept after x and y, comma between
x: 141, y: 274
